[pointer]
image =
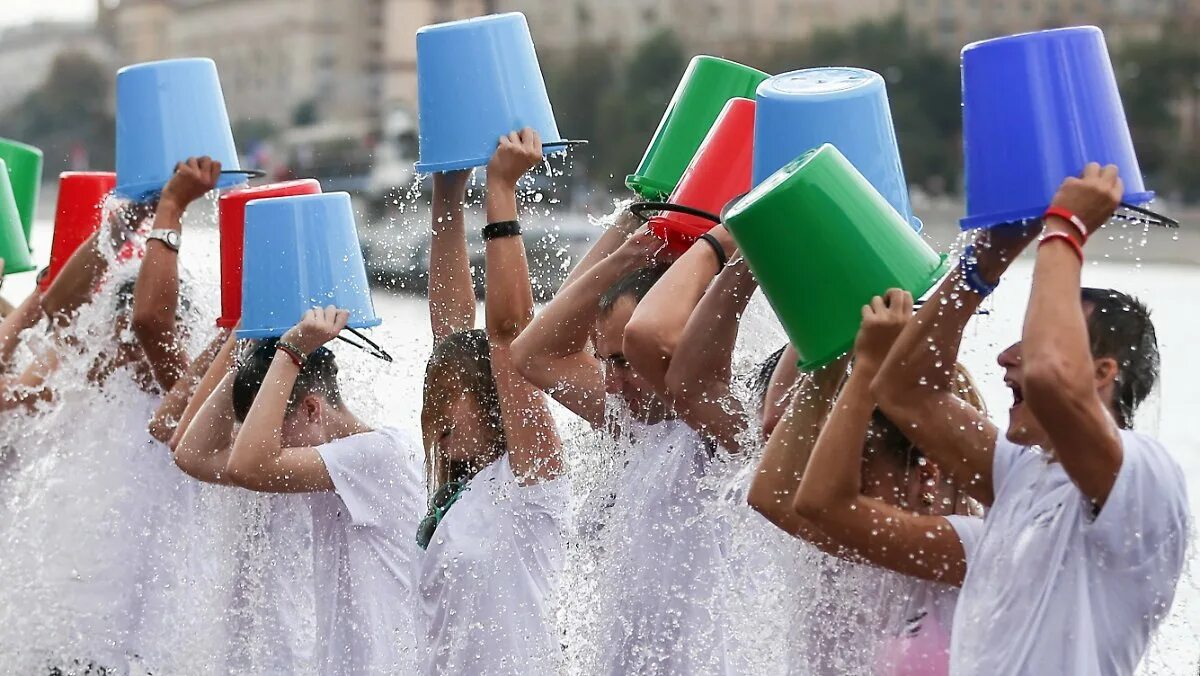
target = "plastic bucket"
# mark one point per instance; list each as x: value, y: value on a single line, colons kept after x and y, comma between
x: 232, y: 210
x: 13, y: 247
x: 168, y: 111
x: 707, y: 85
x: 821, y: 240
x: 81, y: 196
x: 302, y: 252
x: 1037, y: 108
x: 477, y: 80
x: 847, y: 107
x: 719, y: 172
x: 25, y: 177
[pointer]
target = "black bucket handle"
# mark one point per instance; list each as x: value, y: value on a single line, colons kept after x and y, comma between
x: 639, y: 210
x: 367, y: 345
x: 1151, y: 217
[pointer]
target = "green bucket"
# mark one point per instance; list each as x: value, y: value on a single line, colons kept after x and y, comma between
x: 822, y: 242
x: 707, y: 85
x: 25, y: 173
x: 14, y: 248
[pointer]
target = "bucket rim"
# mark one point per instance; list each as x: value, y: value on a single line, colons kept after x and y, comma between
x: 1039, y: 35
x: 277, y: 331
x: 159, y: 63
x: 33, y: 150
x: 640, y: 182
x: 977, y: 221
x: 479, y: 161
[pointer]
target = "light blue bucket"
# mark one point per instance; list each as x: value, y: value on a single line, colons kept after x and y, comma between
x: 847, y: 107
x: 168, y: 111
x: 477, y: 80
x: 302, y: 252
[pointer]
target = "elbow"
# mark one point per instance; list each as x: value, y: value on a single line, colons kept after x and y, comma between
x: 769, y: 505
x: 505, y: 330
x: 895, y: 398
x: 647, y: 348
x: 161, y: 430
x: 1049, y: 378
x: 147, y: 326
x: 807, y: 508
x: 522, y: 355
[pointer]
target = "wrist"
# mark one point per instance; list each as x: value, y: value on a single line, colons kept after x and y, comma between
x: 503, y: 183
x: 170, y: 203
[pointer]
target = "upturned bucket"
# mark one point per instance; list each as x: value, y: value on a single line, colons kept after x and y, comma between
x: 1037, y: 108
x: 232, y: 215
x: 821, y: 240
x: 25, y: 177
x: 14, y: 250
x: 168, y: 111
x: 847, y: 107
x: 78, y: 215
x: 706, y: 86
x: 301, y: 252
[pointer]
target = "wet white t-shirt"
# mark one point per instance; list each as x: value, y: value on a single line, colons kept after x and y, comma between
x: 664, y: 558
x: 1052, y: 589
x: 364, y: 555
x: 488, y: 579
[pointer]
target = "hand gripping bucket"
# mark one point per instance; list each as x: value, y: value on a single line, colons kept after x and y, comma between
x: 232, y: 210
x: 707, y: 85
x: 1037, y: 108
x: 302, y: 252
x: 168, y: 111
x: 719, y: 172
x: 14, y: 250
x: 847, y: 107
x: 822, y: 241
x: 81, y: 196
x: 25, y: 177
x: 477, y: 80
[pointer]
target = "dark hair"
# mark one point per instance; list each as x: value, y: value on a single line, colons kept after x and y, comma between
x: 636, y: 284
x: 461, y: 365
x: 760, y: 378
x: 126, y: 291
x: 1119, y: 327
x: 319, y: 376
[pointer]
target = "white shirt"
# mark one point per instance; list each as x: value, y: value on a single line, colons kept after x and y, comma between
x: 364, y: 554
x: 1050, y: 589
x: 489, y: 577
x: 661, y: 597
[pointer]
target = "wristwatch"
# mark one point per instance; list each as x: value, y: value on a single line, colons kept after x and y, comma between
x: 167, y: 236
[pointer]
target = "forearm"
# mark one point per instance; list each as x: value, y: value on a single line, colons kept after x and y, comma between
x: 156, y: 301
x: 19, y: 320
x: 75, y: 282
x: 624, y: 223
x: 167, y: 418
x: 451, y: 291
x: 204, y: 449
x: 216, y: 371
x: 259, y: 442
x: 508, y: 304
x: 833, y: 479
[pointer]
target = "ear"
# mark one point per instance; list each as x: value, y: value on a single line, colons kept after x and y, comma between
x: 311, y: 408
x: 1105, y: 372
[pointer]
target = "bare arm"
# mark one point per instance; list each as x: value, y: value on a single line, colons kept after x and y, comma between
x: 259, y: 461
x: 1060, y: 371
x: 156, y: 294
x: 216, y: 371
x: 529, y: 430
x: 624, y: 223
x: 451, y: 292
x: 204, y: 450
x: 700, y: 384
x: 830, y: 495
x: 20, y: 319
x: 168, y: 416
x: 26, y: 390
x: 783, y: 464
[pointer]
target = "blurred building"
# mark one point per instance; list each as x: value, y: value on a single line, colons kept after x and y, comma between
x: 28, y: 52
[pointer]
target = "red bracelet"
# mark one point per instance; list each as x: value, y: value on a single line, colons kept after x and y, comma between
x: 292, y: 353
x: 1071, y: 218
x: 1051, y: 236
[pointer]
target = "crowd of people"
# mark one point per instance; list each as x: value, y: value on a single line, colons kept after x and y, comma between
x: 1052, y: 545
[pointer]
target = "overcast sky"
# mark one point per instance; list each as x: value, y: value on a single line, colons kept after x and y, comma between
x: 15, y: 12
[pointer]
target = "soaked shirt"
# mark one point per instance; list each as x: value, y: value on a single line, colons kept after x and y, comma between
x: 489, y: 577
x: 1052, y: 588
x: 364, y: 555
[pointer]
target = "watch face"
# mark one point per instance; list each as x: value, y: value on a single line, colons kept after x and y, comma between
x: 173, y: 239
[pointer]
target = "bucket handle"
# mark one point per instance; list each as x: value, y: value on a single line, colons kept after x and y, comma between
x: 555, y: 146
x: 639, y: 210
x: 367, y: 345
x: 1153, y: 217
x: 249, y: 173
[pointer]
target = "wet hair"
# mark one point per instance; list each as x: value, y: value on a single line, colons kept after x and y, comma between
x: 461, y: 365
x: 889, y: 438
x: 1119, y: 327
x: 760, y: 378
x: 637, y: 284
x: 319, y: 376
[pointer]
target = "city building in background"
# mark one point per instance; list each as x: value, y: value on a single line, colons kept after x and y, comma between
x: 28, y: 52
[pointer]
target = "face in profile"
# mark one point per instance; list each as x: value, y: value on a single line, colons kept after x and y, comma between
x: 619, y: 378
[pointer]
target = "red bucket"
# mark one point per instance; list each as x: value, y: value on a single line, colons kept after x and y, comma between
x: 719, y: 171
x: 232, y: 208
x: 81, y: 197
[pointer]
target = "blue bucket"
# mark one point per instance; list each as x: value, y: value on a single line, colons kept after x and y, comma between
x: 168, y: 111
x: 847, y: 107
x: 477, y: 80
x: 302, y: 252
x: 1037, y: 108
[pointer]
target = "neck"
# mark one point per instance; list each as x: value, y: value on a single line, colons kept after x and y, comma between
x: 342, y: 424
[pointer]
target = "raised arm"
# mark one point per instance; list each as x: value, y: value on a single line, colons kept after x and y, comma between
x: 783, y: 464
x: 451, y: 291
x: 654, y: 331
x: 156, y: 294
x: 622, y: 224
x: 552, y: 352
x: 23, y: 317
x: 220, y: 365
x: 913, y: 386
x: 259, y: 460
x: 169, y: 414
x: 1060, y: 373
x: 529, y: 430
x: 700, y: 384
x: 204, y: 450
x: 830, y: 495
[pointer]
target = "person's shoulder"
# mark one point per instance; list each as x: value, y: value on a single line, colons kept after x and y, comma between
x: 1150, y: 454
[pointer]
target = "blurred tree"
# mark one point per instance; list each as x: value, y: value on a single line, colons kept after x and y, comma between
x: 305, y: 113
x: 68, y: 113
